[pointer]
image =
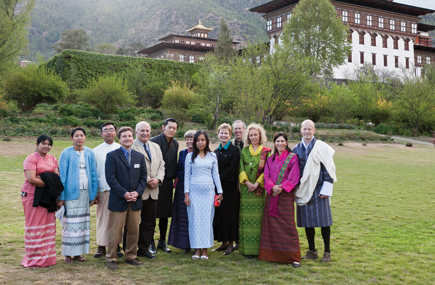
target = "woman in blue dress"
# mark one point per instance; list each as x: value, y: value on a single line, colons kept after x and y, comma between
x: 179, y: 231
x: 200, y: 179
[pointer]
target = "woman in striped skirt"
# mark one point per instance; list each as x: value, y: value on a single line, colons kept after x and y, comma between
x: 279, y: 237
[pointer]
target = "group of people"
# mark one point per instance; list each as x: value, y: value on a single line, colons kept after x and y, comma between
x: 242, y: 194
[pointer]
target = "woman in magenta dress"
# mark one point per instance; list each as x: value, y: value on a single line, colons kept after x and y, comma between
x: 40, y: 229
x: 279, y: 237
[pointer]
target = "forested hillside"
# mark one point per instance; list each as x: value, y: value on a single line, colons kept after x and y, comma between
x: 121, y: 21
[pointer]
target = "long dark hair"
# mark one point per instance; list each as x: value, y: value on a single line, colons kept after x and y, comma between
x: 195, y: 149
x: 275, y: 137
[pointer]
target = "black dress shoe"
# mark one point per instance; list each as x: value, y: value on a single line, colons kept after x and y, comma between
x: 162, y: 246
x: 146, y: 254
x: 118, y: 252
x: 134, y: 262
x: 228, y: 252
x: 236, y: 246
x: 187, y: 250
x: 153, y: 248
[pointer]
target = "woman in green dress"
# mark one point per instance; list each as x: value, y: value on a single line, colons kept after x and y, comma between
x: 252, y: 196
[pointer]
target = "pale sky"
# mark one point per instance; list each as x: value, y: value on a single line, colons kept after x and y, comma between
x: 430, y: 4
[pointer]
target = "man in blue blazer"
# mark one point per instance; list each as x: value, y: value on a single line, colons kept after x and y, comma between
x: 126, y: 175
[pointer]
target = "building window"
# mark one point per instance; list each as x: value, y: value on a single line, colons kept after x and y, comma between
x: 278, y: 22
x: 419, y: 59
x: 357, y: 18
x: 407, y: 62
x: 373, y: 58
x: 428, y: 60
x: 269, y: 25
x: 385, y: 42
x: 187, y: 43
x: 258, y: 59
x: 406, y: 43
x: 361, y: 57
x: 361, y: 38
x: 288, y: 17
x: 191, y: 59
x: 403, y: 27
x: 396, y: 43
x: 396, y: 61
x: 392, y: 25
x: 373, y: 38
x: 208, y: 45
x: 349, y: 59
x: 414, y: 28
x: 369, y: 20
x: 181, y: 57
x: 201, y: 58
x: 344, y: 17
x: 192, y: 43
x: 381, y: 22
x: 385, y: 60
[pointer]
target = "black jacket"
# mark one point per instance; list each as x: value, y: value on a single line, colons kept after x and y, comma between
x: 228, y: 163
x: 46, y: 196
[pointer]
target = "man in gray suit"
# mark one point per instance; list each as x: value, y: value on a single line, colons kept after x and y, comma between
x: 156, y: 173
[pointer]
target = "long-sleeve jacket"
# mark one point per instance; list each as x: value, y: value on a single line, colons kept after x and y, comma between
x: 69, y: 167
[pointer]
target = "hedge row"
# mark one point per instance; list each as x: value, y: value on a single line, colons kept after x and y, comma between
x: 85, y: 65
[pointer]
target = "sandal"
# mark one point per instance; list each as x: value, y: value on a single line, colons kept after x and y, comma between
x: 79, y: 258
x: 221, y: 248
x: 67, y: 260
x: 195, y: 257
x: 203, y: 257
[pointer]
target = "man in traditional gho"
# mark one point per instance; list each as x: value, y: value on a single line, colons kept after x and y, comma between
x: 317, y: 170
x: 169, y: 147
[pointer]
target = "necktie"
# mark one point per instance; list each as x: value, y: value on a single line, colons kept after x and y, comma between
x: 147, y: 150
x: 128, y: 157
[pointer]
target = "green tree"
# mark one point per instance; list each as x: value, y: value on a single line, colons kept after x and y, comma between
x: 32, y: 85
x: 340, y: 102
x: 314, y: 31
x: 224, y: 47
x: 130, y: 49
x: 107, y: 93
x: 415, y: 105
x: 105, y: 48
x: 73, y: 39
x: 14, y: 17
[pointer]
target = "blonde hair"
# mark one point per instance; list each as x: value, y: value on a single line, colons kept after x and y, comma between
x: 259, y: 129
x: 225, y: 126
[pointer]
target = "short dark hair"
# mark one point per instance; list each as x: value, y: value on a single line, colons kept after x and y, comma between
x: 124, y: 129
x: 170, y: 120
x: 43, y: 138
x: 105, y: 124
x: 77, y: 129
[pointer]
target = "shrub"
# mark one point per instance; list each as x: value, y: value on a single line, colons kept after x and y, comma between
x: 177, y: 99
x: 27, y: 87
x: 156, y: 116
x: 72, y: 121
x: 198, y: 119
x: 106, y: 93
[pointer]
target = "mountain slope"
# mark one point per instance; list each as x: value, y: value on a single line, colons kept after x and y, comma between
x: 122, y: 21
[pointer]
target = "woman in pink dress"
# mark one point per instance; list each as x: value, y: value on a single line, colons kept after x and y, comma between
x: 40, y: 229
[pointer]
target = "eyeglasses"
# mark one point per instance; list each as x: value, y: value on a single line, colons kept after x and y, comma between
x: 108, y: 130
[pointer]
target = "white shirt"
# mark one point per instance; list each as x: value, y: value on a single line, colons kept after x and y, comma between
x: 100, y: 157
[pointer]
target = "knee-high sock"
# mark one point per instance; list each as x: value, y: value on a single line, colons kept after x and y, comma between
x: 311, y: 232
x: 163, y: 227
x: 326, y: 234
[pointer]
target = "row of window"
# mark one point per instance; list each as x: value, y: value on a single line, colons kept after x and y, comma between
x: 419, y: 59
x: 385, y: 59
x: 384, y: 41
x: 200, y: 35
x: 376, y: 21
x: 192, y: 43
x: 278, y: 21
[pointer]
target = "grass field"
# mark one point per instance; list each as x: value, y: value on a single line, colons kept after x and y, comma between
x: 383, y: 232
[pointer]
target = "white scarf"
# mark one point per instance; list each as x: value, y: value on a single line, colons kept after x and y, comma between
x: 321, y: 153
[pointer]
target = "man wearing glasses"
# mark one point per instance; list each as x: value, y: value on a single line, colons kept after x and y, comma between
x: 108, y: 132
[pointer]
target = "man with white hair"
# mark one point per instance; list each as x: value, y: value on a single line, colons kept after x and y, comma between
x: 317, y: 170
x: 239, y: 128
x: 156, y: 173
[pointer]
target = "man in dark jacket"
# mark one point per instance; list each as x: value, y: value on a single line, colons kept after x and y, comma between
x: 127, y: 176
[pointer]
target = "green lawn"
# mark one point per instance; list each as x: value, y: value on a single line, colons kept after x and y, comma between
x: 383, y: 233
